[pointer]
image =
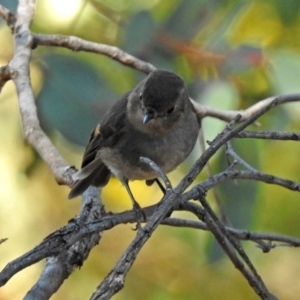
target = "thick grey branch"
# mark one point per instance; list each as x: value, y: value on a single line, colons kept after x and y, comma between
x: 74, y: 232
x: 114, y: 281
x: 59, y: 267
x: 19, y: 67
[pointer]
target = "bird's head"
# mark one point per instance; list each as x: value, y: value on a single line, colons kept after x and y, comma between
x: 157, y: 103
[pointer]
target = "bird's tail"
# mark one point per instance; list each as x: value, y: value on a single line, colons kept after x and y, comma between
x: 95, y: 173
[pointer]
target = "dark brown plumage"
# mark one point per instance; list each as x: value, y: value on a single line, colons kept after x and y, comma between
x: 155, y: 120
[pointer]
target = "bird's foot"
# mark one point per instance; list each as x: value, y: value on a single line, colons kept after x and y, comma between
x: 140, y: 216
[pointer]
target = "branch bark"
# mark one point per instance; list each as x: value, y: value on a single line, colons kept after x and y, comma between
x: 59, y: 267
x: 19, y: 70
x: 77, y: 44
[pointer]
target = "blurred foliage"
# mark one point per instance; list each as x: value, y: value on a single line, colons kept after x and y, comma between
x: 231, y: 54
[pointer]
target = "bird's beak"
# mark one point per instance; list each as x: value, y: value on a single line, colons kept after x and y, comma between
x: 147, y: 117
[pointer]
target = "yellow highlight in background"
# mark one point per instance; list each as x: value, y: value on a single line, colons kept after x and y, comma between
x: 115, y: 196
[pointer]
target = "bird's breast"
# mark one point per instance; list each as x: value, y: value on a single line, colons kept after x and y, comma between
x: 167, y: 151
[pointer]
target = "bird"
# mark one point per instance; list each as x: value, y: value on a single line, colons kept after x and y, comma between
x: 156, y: 120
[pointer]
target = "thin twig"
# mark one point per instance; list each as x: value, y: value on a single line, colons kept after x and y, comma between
x: 5, y: 75
x: 228, y: 115
x: 228, y: 243
x: 77, y: 44
x: 158, y: 171
x: 240, y: 234
x: 3, y: 240
x: 220, y: 206
x: 229, y: 133
x: 230, y: 151
x: 269, y: 135
x: 232, y: 173
x: 8, y: 16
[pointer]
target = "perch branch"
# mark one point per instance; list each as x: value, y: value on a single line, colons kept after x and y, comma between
x: 72, y: 233
x: 114, y: 281
x: 61, y: 266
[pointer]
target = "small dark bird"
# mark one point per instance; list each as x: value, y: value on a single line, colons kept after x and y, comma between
x: 155, y: 120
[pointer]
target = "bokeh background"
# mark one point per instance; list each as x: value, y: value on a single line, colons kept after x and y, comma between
x: 231, y: 53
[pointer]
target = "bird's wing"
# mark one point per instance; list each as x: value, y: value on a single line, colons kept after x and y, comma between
x: 108, y: 132
x: 94, y: 144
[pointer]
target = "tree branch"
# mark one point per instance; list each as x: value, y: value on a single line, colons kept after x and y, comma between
x: 240, y: 234
x: 227, y: 115
x: 269, y: 135
x: 228, y: 243
x: 19, y: 68
x: 77, y: 44
x: 61, y: 266
x: 8, y: 16
x: 5, y: 75
x: 114, y: 281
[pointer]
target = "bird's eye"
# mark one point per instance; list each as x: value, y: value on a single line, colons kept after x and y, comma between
x: 141, y: 96
x: 170, y: 110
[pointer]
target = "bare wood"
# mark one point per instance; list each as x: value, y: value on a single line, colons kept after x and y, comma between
x: 227, y: 115
x: 8, y: 16
x: 59, y: 267
x: 19, y: 68
x: 77, y: 44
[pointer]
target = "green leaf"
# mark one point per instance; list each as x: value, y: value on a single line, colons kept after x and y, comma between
x: 288, y: 10
x: 73, y: 98
x: 285, y: 71
x: 10, y: 4
x: 188, y: 17
x: 139, y: 32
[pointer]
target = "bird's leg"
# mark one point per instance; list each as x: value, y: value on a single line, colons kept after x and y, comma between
x: 164, y: 192
x: 140, y: 215
x: 149, y: 182
x: 162, y: 188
